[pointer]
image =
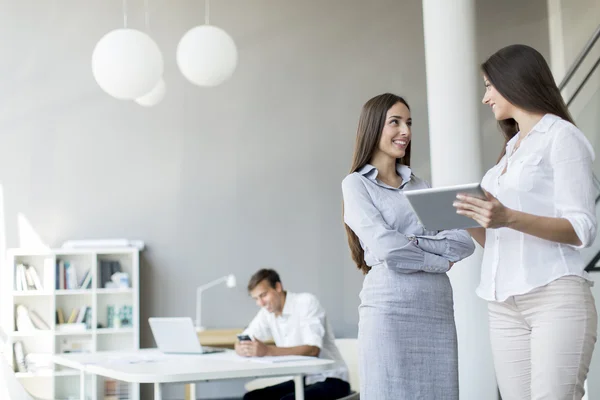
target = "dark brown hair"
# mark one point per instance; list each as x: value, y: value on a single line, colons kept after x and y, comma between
x: 368, y: 134
x: 269, y: 274
x: 522, y: 76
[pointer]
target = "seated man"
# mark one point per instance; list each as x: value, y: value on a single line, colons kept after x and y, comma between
x: 298, y: 325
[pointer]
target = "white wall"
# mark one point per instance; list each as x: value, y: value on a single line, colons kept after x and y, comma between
x: 500, y: 24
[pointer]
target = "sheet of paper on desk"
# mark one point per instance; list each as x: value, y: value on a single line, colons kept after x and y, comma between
x: 280, y: 359
x: 137, y: 359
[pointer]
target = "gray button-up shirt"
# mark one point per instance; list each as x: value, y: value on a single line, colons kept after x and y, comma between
x: 385, y: 223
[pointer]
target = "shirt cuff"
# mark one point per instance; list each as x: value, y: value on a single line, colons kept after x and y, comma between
x: 433, y: 263
x: 439, y: 246
x: 581, y: 232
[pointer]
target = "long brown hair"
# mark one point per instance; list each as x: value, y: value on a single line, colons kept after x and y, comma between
x: 522, y: 76
x: 368, y: 134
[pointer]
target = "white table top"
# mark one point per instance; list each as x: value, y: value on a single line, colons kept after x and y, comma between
x: 152, y: 366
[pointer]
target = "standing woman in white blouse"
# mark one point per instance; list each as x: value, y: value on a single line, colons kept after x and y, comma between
x: 540, y: 211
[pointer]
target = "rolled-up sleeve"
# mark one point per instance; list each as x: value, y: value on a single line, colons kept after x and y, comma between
x: 453, y: 245
x: 574, y: 192
x: 383, y: 242
x: 313, y: 324
x: 259, y: 327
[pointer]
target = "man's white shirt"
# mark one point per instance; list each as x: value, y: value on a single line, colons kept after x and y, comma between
x: 302, y: 322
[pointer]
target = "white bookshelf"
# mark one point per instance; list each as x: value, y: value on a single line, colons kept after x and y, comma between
x: 59, y: 382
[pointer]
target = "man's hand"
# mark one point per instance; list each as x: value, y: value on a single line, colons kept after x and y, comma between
x: 254, y: 348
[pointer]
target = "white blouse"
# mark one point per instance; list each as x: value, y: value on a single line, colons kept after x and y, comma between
x: 550, y: 175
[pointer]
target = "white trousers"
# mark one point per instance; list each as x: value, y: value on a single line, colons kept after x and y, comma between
x: 542, y: 341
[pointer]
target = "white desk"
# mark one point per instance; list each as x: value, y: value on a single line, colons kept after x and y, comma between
x: 152, y: 366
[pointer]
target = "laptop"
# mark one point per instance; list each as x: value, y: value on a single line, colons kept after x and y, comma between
x: 178, y: 336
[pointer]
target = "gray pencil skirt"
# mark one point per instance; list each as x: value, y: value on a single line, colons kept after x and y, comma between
x: 407, y: 337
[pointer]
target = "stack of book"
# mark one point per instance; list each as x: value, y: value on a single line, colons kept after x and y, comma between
x: 27, y: 278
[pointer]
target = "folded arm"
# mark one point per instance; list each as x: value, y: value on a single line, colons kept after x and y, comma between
x: 382, y: 241
x: 453, y: 245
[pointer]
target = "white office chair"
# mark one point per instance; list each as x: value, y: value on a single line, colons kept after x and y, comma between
x: 10, y: 387
x: 349, y: 349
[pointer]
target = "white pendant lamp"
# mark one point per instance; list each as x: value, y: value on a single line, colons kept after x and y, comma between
x: 155, y: 96
x: 206, y: 54
x: 127, y: 63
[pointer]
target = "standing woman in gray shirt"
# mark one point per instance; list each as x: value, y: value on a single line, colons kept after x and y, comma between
x: 407, y: 335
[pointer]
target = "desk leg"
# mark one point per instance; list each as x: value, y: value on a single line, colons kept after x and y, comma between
x: 82, y: 385
x: 299, y: 386
x: 157, y: 391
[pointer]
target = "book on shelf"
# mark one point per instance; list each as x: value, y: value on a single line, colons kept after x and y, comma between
x: 19, y: 354
x: 38, y: 322
x: 60, y: 317
x: 73, y: 316
x: 60, y: 274
x: 71, y: 276
x: 86, y: 281
x: 82, y: 314
x: 22, y: 320
x: 28, y: 278
x: 32, y: 273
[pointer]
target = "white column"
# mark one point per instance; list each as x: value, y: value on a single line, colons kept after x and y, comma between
x: 454, y: 89
x: 556, y: 35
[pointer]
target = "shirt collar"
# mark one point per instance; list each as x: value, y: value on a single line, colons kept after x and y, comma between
x: 545, y: 123
x: 542, y: 126
x: 370, y: 172
x: 288, y: 306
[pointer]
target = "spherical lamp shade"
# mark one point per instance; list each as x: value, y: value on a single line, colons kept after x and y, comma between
x: 127, y: 63
x: 206, y: 55
x: 155, y: 96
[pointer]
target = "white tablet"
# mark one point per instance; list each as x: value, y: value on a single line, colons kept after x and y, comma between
x: 435, y: 210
